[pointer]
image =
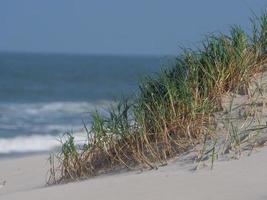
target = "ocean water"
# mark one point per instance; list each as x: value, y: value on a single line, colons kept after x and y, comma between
x: 43, y: 96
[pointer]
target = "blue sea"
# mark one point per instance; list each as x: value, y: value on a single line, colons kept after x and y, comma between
x: 43, y: 96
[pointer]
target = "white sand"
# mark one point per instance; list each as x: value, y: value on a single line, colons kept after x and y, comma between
x: 235, y: 179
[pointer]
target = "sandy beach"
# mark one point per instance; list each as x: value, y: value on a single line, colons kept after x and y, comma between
x: 133, y: 101
x: 244, y: 179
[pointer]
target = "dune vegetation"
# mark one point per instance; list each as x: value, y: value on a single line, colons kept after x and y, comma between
x: 172, y: 111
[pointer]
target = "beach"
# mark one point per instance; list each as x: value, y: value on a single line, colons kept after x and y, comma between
x: 244, y: 179
x: 113, y: 101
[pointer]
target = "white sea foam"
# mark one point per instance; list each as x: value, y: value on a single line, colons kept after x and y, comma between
x: 35, y: 143
x: 23, y: 144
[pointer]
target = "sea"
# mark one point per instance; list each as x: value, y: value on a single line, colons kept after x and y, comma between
x: 44, y: 96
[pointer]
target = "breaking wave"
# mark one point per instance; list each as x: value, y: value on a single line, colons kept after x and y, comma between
x: 35, y: 143
x: 37, y: 127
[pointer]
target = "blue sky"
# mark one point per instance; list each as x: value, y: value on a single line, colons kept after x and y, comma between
x: 116, y: 26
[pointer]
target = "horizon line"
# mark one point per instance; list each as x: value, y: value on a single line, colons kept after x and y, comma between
x: 87, y: 53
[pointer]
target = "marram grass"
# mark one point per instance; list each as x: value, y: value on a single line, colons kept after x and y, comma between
x: 172, y: 111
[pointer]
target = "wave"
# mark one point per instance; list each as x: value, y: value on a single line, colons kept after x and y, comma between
x: 36, y: 143
x: 48, y: 107
x: 51, y: 118
x: 37, y: 127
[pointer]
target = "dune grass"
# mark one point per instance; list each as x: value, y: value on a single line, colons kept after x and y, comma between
x: 172, y: 112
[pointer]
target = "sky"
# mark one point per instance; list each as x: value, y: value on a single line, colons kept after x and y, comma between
x: 150, y: 27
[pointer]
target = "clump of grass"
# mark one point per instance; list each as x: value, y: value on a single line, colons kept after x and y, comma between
x: 172, y: 111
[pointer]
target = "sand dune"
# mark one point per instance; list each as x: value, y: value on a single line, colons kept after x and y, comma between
x: 235, y: 179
